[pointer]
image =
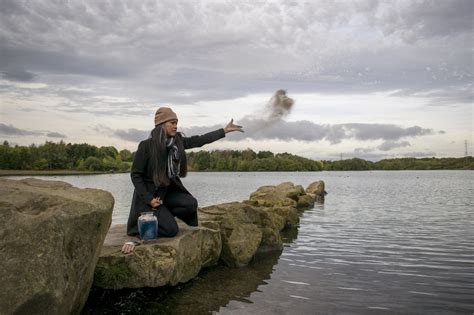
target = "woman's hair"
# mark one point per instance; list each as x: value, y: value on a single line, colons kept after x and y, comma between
x: 159, y: 156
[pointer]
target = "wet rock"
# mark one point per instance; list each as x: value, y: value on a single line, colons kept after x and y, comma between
x: 240, y: 236
x: 316, y: 190
x: 51, y: 234
x: 305, y: 202
x: 165, y: 261
x: 285, y: 194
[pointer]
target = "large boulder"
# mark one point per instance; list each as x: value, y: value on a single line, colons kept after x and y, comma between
x: 283, y: 195
x: 316, y: 190
x: 270, y: 196
x: 51, y: 234
x: 240, y: 236
x: 164, y: 261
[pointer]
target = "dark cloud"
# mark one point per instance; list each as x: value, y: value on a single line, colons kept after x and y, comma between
x: 18, y: 75
x: 67, y: 62
x: 259, y: 129
x: 390, y: 145
x: 132, y: 135
x: 10, y: 130
x: 414, y: 47
x: 55, y: 135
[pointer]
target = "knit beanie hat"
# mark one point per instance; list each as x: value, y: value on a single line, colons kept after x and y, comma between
x: 164, y: 114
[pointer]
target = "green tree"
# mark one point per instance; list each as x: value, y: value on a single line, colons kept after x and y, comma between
x: 125, y: 155
x: 202, y: 161
x: 248, y: 155
x: 264, y: 154
x: 107, y: 151
x: 92, y: 163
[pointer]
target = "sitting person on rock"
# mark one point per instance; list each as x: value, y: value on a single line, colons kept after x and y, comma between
x: 158, y: 164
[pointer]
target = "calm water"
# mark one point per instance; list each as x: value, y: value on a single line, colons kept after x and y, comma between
x: 383, y: 243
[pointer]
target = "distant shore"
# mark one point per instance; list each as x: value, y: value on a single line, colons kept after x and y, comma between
x: 52, y: 172
x: 75, y: 172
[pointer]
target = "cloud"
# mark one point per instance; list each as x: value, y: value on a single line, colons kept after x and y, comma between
x: 385, y: 146
x: 376, y: 156
x: 426, y: 19
x: 133, y: 135
x: 235, y: 49
x: 259, y: 129
x: 390, y: 145
x: 10, y: 130
x: 55, y: 135
x: 18, y: 75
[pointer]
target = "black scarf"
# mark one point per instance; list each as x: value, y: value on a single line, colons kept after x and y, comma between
x: 173, y: 158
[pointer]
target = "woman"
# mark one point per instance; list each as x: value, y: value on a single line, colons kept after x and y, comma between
x: 158, y: 164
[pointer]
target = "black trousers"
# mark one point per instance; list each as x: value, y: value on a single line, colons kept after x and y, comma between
x: 176, y: 204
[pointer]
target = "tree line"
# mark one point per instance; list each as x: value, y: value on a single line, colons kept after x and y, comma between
x: 62, y: 156
x: 86, y: 157
x: 431, y: 163
x: 249, y: 161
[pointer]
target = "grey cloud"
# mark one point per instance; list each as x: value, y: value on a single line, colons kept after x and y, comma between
x: 63, y: 62
x: 364, y: 150
x: 383, y: 131
x: 425, y: 19
x: 420, y: 154
x: 133, y: 135
x: 389, y: 145
x: 55, y: 135
x: 258, y: 129
x: 18, y: 75
x: 375, y: 156
x: 385, y: 146
x: 444, y: 96
x: 10, y: 130
x: 167, y: 57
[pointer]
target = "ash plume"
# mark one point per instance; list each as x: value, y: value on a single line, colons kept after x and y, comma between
x: 278, y: 106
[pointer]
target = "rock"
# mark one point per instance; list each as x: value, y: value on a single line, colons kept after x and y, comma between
x: 240, y: 236
x: 305, y: 202
x: 282, y: 195
x: 288, y: 214
x: 316, y: 190
x: 165, y: 261
x: 231, y: 232
x: 51, y: 234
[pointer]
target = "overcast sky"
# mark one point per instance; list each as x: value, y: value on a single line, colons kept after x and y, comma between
x: 370, y: 79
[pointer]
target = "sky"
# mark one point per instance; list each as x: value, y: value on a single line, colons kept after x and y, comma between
x: 369, y: 79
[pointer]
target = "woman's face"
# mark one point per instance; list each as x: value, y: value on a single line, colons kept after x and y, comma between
x: 171, y: 127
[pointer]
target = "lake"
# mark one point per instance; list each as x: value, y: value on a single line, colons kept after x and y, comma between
x: 385, y: 242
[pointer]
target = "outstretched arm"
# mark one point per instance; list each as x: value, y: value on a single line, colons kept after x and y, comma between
x: 199, y: 141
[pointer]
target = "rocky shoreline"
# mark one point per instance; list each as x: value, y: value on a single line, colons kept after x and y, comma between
x: 57, y: 242
x: 231, y: 233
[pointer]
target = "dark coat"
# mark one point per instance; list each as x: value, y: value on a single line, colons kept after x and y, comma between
x: 142, y: 176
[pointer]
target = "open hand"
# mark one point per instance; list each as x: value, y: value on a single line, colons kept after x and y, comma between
x: 128, y: 247
x: 232, y: 127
